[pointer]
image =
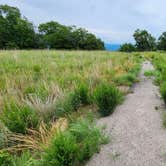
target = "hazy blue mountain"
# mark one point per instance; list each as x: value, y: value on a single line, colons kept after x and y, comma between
x: 112, y: 47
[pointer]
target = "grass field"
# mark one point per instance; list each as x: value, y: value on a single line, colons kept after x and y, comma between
x: 48, y: 101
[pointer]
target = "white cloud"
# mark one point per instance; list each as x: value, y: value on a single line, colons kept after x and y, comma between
x: 113, y: 21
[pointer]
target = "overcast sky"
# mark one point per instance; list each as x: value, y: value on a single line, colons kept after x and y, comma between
x: 112, y: 20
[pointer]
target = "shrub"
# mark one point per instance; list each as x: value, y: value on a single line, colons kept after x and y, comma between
x: 149, y: 73
x: 18, y: 118
x: 5, y: 159
x: 164, y: 120
x: 3, y: 135
x: 89, y: 138
x: 79, y: 96
x: 62, y: 151
x: 106, y: 98
x: 126, y: 79
x: 24, y: 160
x: 163, y: 91
x: 127, y: 47
x: 74, y: 146
x: 73, y: 101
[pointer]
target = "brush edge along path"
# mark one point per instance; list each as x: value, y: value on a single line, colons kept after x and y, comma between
x: 135, y: 129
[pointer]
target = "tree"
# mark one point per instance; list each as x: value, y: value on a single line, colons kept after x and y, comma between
x: 60, y: 36
x: 127, y: 47
x: 162, y: 42
x: 144, y: 40
x: 15, y: 31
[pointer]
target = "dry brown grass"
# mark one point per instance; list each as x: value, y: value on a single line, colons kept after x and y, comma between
x: 36, y: 140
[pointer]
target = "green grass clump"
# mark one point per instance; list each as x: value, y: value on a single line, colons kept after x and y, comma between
x: 126, y: 79
x: 107, y: 97
x: 18, y: 118
x: 149, y: 73
x: 164, y: 120
x: 89, y: 138
x: 62, y: 152
x: 74, y: 146
x: 79, y: 97
x: 25, y: 159
x: 163, y: 91
x: 5, y: 159
x: 72, y: 101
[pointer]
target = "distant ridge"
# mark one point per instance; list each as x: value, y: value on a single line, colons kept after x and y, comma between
x: 112, y: 47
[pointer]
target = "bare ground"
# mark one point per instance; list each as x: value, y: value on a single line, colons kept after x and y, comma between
x: 135, y: 128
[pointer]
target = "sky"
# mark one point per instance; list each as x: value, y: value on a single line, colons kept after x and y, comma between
x: 114, y: 21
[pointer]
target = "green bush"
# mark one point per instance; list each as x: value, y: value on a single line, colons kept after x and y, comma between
x: 89, y: 138
x: 72, y: 101
x: 164, y: 120
x: 62, y: 151
x: 163, y: 91
x: 107, y: 97
x: 126, y: 79
x: 5, y: 159
x: 74, y: 146
x: 149, y: 73
x: 18, y: 118
x: 25, y: 159
x: 79, y: 96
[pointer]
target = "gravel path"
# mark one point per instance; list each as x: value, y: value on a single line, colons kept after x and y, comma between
x: 138, y: 138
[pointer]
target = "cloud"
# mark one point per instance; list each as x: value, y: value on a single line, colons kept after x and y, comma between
x: 113, y: 21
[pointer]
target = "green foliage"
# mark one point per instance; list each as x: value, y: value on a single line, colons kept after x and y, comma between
x: 15, y: 31
x: 18, y: 32
x: 127, y: 47
x: 149, y: 73
x: 107, y: 97
x: 3, y: 135
x: 25, y: 159
x: 144, y: 40
x: 18, y: 118
x: 62, y: 152
x: 89, y: 138
x: 79, y: 97
x: 162, y: 42
x: 163, y: 91
x: 72, y: 101
x: 126, y: 79
x: 5, y: 159
x: 164, y: 120
x: 74, y: 146
x: 68, y: 37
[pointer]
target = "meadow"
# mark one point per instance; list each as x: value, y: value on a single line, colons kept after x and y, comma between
x: 49, y: 101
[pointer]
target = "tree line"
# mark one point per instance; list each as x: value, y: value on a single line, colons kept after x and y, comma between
x: 144, y: 41
x: 16, y: 32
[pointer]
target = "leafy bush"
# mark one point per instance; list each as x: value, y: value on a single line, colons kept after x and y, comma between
x: 163, y: 91
x: 62, y: 152
x: 164, y: 120
x: 107, y: 97
x: 18, y: 118
x: 126, y: 79
x: 74, y: 146
x: 79, y: 96
x: 25, y: 159
x: 89, y: 138
x: 73, y: 101
x: 149, y: 73
x: 5, y: 159
x: 127, y: 47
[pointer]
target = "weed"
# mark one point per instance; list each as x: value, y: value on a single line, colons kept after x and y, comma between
x: 107, y: 97
x: 18, y: 118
